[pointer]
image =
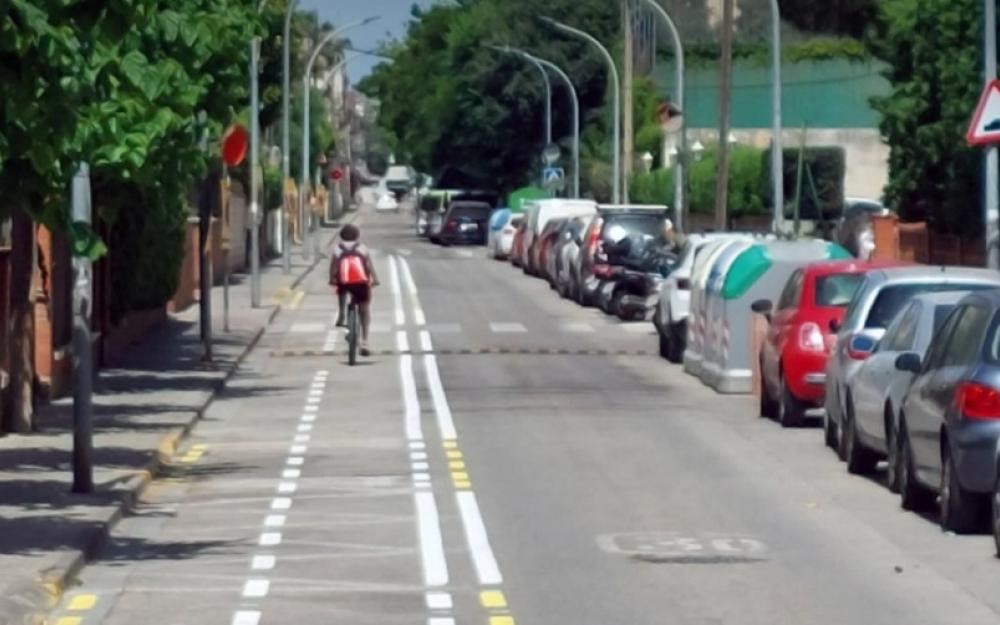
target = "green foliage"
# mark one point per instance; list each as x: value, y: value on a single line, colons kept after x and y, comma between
x: 932, y: 49
x: 747, y: 183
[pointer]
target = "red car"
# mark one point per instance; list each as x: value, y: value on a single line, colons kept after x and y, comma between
x: 798, y: 342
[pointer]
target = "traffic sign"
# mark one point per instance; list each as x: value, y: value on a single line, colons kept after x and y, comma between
x: 553, y: 177
x: 234, y: 145
x: 985, y: 126
x: 336, y: 174
x: 551, y: 154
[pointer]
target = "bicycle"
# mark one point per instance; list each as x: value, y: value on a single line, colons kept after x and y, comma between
x: 353, y: 330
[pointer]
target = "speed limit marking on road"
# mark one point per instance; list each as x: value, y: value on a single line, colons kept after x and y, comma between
x: 679, y: 547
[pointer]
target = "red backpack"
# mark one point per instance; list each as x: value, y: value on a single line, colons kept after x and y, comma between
x: 351, y: 268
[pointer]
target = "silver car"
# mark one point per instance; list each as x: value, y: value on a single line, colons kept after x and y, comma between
x: 878, y: 300
x: 875, y: 394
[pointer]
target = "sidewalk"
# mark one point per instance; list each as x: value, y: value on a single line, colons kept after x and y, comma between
x: 142, y: 410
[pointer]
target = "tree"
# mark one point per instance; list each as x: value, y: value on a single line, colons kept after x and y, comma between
x: 934, y: 63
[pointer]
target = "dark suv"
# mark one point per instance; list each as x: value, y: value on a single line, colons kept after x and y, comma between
x: 611, y: 224
x: 466, y: 222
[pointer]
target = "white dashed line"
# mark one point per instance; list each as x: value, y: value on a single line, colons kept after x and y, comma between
x: 425, y: 341
x: 308, y: 418
x: 302, y: 438
x: 298, y: 450
x: 507, y: 327
x: 417, y: 445
x: 291, y: 474
x: 402, y: 341
x: 578, y: 328
x: 263, y: 563
x: 287, y: 488
x: 275, y: 520
x: 419, y: 466
x: 296, y: 461
x: 269, y: 539
x: 246, y: 617
x: 439, y: 600
x: 440, y: 621
x: 256, y: 588
x: 281, y: 503
x: 418, y: 455
x: 422, y: 477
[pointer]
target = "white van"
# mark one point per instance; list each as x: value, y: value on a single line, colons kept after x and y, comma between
x: 538, y: 213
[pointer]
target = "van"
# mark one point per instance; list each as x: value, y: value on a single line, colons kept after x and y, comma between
x: 538, y: 213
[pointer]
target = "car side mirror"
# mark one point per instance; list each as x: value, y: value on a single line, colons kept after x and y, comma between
x: 763, y: 307
x: 835, y: 326
x: 908, y: 363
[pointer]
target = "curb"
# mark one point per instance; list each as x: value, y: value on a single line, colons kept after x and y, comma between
x: 30, y: 602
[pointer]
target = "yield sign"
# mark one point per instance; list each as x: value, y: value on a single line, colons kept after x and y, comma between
x: 985, y: 126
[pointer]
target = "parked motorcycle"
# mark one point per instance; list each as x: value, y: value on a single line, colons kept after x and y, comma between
x: 631, y: 280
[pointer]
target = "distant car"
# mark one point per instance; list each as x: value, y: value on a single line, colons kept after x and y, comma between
x: 633, y: 220
x: 794, y: 352
x: 949, y: 423
x: 400, y: 180
x: 538, y: 213
x: 503, y: 225
x: 466, y: 223
x: 547, y: 249
x: 877, y: 390
x: 876, y: 304
x: 672, y: 310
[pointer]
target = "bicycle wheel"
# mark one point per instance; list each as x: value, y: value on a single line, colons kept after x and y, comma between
x: 353, y: 334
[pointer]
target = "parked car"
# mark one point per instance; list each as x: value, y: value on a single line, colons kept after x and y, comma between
x: 547, y: 251
x: 673, y: 307
x: 400, y: 180
x: 538, y: 213
x: 517, y: 245
x: 503, y: 226
x: 949, y: 423
x: 437, y: 220
x: 430, y: 210
x: 466, y: 223
x: 876, y: 392
x: 877, y: 302
x: 794, y: 352
x: 632, y: 220
x: 569, y: 252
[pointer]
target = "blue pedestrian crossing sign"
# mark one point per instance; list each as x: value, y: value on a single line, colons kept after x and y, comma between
x: 553, y: 177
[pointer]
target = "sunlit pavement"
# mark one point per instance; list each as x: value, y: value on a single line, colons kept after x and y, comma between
x: 507, y: 457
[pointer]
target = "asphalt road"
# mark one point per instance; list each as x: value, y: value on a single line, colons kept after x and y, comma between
x: 507, y: 457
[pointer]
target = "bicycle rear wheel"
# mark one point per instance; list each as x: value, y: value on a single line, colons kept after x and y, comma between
x: 353, y: 334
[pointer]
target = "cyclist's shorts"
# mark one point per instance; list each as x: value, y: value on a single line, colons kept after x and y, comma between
x: 360, y: 293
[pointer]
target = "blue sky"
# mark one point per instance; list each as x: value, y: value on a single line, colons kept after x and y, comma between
x: 394, y: 16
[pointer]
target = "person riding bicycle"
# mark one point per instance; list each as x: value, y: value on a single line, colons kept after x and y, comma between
x: 352, y: 272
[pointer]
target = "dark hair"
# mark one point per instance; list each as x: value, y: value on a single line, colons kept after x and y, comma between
x: 350, y: 233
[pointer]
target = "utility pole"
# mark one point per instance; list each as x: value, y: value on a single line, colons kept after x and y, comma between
x: 725, y: 97
x: 628, y: 121
x: 991, y: 199
x: 83, y: 373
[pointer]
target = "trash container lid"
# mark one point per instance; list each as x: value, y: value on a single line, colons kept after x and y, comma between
x: 756, y: 260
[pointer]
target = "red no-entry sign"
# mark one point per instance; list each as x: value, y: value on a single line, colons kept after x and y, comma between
x: 336, y: 174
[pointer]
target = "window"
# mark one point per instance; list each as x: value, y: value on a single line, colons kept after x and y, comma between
x: 792, y: 293
x: 963, y: 347
x: 892, y: 299
x: 837, y: 290
x: 903, y: 332
x: 936, y: 349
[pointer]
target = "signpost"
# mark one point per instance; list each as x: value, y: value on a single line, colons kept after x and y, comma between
x: 554, y: 178
x: 984, y: 130
x: 83, y: 434
x: 234, y: 150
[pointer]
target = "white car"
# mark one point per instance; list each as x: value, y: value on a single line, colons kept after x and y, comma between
x: 671, y: 314
x: 501, y: 239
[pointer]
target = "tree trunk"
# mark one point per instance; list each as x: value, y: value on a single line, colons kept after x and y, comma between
x: 18, y: 412
x: 725, y: 97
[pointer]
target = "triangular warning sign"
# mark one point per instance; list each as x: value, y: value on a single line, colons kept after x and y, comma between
x: 985, y: 126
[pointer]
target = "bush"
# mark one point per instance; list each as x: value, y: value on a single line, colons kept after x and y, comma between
x: 828, y: 167
x: 273, y: 185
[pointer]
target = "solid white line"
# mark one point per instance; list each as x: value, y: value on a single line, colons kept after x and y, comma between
x: 445, y: 423
x: 396, y: 291
x: 425, y: 341
x: 411, y: 403
x: 246, y: 617
x: 270, y: 539
x: 402, y: 341
x: 408, y: 276
x: 256, y: 588
x: 431, y: 545
x: 275, y: 520
x: 262, y: 563
x: 479, y: 544
x: 281, y: 503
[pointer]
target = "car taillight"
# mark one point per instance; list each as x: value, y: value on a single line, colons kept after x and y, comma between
x: 811, y: 338
x: 452, y: 224
x: 978, y: 401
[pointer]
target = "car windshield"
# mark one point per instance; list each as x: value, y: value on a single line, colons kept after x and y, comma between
x: 837, y: 290
x: 892, y: 298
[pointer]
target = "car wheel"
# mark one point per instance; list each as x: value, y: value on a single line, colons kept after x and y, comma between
x: 892, y: 456
x: 767, y: 407
x: 959, y: 510
x: 664, y: 346
x: 791, y: 411
x: 829, y: 430
x: 996, y: 514
x: 912, y: 495
x: 860, y: 460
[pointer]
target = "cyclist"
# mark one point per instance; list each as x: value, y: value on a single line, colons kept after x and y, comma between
x: 352, y: 272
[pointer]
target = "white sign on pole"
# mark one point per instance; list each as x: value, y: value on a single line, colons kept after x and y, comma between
x: 985, y: 126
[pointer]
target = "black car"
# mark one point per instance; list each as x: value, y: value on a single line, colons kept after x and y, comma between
x: 466, y: 222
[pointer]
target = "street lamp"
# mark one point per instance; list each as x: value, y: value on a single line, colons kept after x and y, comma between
x: 286, y: 158
x: 679, y: 80
x: 254, y: 176
x: 647, y: 162
x: 777, y: 153
x: 548, y: 88
x: 698, y: 150
x: 306, y: 83
x: 616, y: 159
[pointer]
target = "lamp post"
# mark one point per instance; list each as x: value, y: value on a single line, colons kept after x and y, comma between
x: 991, y: 200
x: 286, y: 159
x: 777, y: 152
x: 679, y: 86
x: 306, y: 82
x: 616, y: 178
x: 548, y: 88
